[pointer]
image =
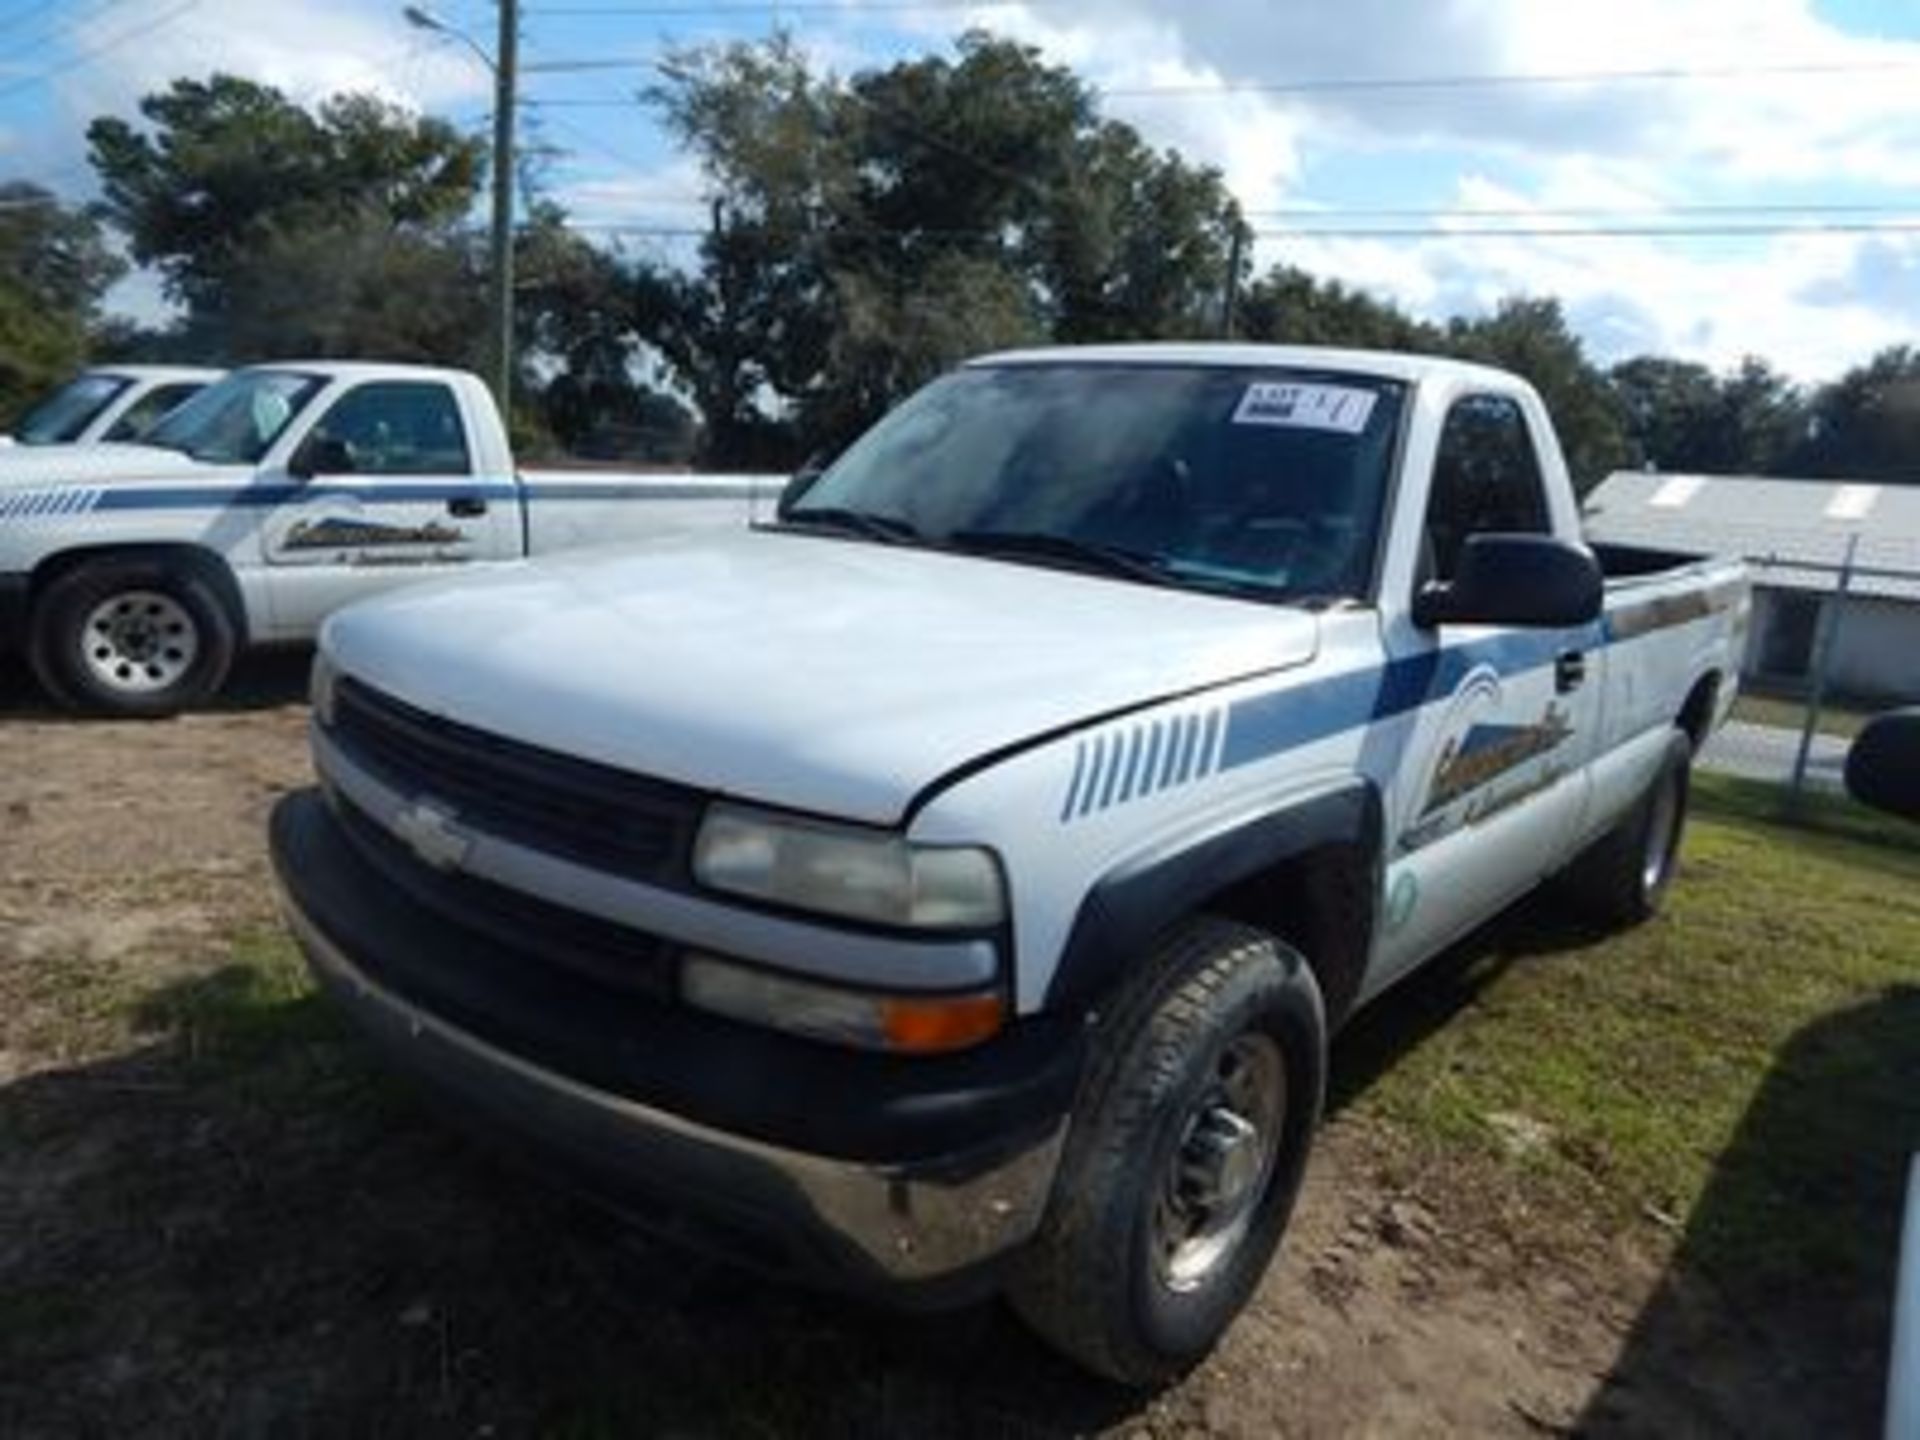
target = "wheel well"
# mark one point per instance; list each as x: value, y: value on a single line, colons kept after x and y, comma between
x: 1697, y: 714
x: 193, y: 558
x: 1321, y: 902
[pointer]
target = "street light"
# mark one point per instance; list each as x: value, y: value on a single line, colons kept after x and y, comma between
x: 501, y: 287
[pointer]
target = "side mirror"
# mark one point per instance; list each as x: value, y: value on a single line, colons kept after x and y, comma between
x: 801, y: 481
x: 1528, y: 580
x: 1883, y: 766
x: 321, y: 455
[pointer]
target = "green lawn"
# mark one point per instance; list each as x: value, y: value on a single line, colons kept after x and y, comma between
x: 1745, y: 1069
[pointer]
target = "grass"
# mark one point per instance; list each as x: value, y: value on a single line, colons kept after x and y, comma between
x: 1836, y: 717
x: 1746, y: 1069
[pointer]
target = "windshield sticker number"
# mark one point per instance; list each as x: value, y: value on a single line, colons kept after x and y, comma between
x: 1338, y: 408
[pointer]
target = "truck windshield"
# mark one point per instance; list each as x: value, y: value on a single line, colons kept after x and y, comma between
x: 1251, y: 480
x: 67, y: 411
x: 236, y: 420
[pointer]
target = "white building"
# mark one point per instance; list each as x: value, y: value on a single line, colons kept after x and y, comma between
x: 1797, y: 534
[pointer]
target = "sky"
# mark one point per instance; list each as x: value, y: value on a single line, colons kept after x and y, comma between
x: 1444, y: 118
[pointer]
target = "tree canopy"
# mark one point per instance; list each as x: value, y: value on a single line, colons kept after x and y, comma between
x: 868, y: 233
x: 55, y: 266
x: 864, y: 232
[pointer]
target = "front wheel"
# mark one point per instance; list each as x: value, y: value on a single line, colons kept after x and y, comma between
x: 131, y: 637
x: 1187, y: 1150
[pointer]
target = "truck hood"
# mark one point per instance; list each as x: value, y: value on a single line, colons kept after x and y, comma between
x: 32, y: 466
x: 835, y: 676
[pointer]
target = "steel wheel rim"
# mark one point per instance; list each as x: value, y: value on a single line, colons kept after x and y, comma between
x: 1229, y: 1144
x: 138, y: 642
x: 1660, y: 835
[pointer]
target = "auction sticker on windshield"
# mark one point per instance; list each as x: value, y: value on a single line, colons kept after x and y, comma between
x: 1341, y: 408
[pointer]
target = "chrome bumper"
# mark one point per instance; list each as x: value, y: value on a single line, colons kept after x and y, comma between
x: 872, y: 1227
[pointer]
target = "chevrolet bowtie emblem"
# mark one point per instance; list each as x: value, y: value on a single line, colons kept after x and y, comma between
x: 430, y: 832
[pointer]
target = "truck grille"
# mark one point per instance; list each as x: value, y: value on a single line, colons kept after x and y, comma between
x: 613, y: 955
x: 629, y: 825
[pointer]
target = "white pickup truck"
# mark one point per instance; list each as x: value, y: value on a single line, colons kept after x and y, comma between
x: 131, y: 574
x: 109, y: 402
x: 954, y: 883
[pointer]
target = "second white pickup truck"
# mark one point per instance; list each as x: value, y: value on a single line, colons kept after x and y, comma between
x: 954, y: 884
x: 109, y: 403
x: 132, y: 574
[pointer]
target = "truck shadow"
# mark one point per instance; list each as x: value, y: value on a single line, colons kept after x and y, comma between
x: 1774, y: 1315
x: 241, y: 1226
x: 261, y: 680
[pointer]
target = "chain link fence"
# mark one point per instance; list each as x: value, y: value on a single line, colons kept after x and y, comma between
x: 1834, y: 640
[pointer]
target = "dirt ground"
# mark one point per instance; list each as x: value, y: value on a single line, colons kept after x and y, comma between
x: 215, y: 1220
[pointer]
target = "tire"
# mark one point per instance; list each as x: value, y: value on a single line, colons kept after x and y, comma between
x: 1133, y: 1274
x: 136, y: 638
x: 1622, y: 879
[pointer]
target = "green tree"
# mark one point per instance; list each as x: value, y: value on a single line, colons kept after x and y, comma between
x: 227, y: 172
x: 1669, y: 408
x: 1287, y: 306
x: 55, y: 266
x: 867, y: 233
x: 1530, y: 337
x: 1866, y: 424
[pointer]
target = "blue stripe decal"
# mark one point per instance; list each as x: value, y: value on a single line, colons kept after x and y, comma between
x: 1134, y: 747
x: 1073, y: 785
x: 265, y: 495
x: 135, y: 495
x: 1267, y: 724
x: 1149, y: 781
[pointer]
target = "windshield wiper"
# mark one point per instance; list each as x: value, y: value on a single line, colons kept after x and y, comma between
x: 888, y: 529
x: 1087, y: 554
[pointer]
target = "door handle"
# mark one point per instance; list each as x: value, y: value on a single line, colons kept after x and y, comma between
x: 1569, y: 671
x: 466, y: 506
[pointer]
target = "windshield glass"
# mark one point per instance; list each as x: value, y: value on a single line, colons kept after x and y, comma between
x: 64, y: 414
x: 236, y: 420
x: 1237, y: 478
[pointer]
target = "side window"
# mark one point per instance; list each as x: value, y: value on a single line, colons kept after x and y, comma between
x: 1486, y: 479
x: 149, y: 410
x: 397, y: 427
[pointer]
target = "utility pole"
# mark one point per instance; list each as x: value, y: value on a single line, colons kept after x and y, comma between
x: 505, y: 65
x: 1230, y: 297
x: 505, y: 70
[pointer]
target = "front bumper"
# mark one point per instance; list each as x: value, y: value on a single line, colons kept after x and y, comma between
x: 13, y: 613
x: 924, y: 1228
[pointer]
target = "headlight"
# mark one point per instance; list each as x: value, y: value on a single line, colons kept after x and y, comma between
x: 903, y: 1024
x: 844, y: 870
x: 322, y: 687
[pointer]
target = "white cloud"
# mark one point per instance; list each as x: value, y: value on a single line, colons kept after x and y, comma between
x: 1618, y: 151
x: 308, y: 48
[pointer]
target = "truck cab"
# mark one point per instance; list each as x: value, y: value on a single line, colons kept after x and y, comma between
x: 132, y: 574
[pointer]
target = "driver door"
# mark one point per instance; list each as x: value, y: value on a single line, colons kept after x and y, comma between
x: 1491, y: 785
x: 385, y: 493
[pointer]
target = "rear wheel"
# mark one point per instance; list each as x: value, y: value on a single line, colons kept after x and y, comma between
x: 1187, y: 1150
x: 1623, y: 878
x: 131, y: 637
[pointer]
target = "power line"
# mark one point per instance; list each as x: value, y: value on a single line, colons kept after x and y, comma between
x: 1528, y: 212
x: 1495, y: 80
x: 1370, y: 232
x: 1467, y: 81
x: 1316, y: 218
x: 90, y: 54
x: 796, y: 7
